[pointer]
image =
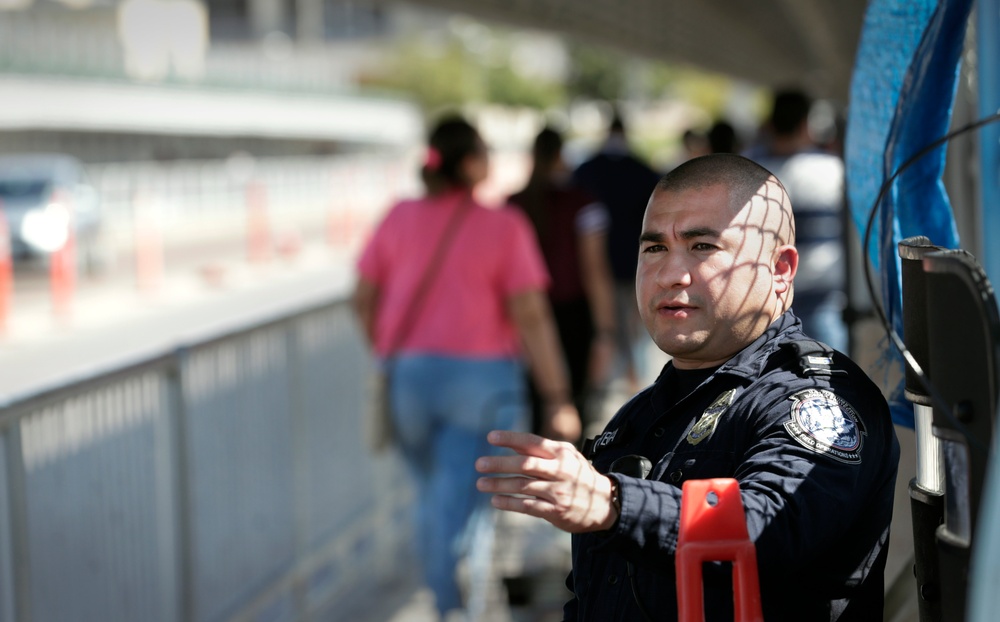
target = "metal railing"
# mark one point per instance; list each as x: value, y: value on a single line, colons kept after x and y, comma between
x: 227, y: 479
x: 200, y: 198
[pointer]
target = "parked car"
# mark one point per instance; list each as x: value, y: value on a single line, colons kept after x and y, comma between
x: 44, y: 197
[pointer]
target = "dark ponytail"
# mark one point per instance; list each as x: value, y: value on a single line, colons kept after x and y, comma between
x: 451, y: 141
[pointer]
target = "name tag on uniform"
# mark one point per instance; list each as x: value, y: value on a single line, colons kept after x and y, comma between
x: 592, y: 446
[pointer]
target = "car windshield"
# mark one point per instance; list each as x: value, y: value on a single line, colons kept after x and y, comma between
x: 22, y: 189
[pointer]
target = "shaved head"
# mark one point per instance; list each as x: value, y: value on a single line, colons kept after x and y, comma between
x: 746, y: 182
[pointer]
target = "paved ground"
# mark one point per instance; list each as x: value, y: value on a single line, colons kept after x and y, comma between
x: 523, y: 582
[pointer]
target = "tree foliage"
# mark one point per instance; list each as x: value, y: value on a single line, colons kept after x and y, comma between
x: 448, y: 74
x: 473, y: 64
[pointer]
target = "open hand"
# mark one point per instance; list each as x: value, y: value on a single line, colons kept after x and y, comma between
x: 552, y: 479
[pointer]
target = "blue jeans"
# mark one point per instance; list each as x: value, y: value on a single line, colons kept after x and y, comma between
x: 443, y: 407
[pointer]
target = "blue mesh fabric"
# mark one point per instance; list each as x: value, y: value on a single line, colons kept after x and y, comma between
x: 902, y: 91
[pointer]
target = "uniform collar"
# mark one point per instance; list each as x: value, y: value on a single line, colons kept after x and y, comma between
x: 750, y: 361
x: 747, y: 365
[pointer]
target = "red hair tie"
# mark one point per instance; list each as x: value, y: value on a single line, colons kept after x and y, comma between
x: 432, y: 162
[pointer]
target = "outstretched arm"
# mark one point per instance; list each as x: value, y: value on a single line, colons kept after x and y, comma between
x: 552, y: 479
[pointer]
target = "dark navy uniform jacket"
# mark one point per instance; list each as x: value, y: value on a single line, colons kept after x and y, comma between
x: 809, y: 438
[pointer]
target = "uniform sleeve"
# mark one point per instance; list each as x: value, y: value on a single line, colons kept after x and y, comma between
x: 799, y: 502
x: 646, y: 529
x: 522, y: 267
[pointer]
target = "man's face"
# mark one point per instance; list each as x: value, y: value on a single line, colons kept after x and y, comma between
x: 705, y: 281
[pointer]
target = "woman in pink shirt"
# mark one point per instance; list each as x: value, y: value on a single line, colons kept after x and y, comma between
x: 455, y: 355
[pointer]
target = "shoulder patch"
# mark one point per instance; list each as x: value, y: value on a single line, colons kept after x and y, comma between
x: 825, y: 423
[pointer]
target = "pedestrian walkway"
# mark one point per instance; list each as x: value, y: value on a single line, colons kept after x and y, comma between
x: 523, y: 580
x: 518, y: 575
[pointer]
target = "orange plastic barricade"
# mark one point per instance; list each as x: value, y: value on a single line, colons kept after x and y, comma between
x: 714, y: 528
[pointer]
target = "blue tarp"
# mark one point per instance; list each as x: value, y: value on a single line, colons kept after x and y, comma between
x: 902, y: 91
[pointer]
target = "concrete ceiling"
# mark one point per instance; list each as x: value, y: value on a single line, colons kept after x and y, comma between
x: 810, y: 43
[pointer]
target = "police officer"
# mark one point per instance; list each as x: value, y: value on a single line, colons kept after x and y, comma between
x: 746, y: 395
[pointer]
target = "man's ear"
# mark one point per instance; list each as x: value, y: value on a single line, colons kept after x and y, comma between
x: 786, y: 264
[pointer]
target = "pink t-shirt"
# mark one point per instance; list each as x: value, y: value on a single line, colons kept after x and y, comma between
x: 493, y: 255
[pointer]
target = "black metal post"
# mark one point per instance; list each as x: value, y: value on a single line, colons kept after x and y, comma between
x: 964, y: 349
x: 927, y: 488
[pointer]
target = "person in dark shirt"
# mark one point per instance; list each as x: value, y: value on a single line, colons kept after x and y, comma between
x: 747, y: 395
x: 572, y: 228
x: 622, y: 183
x: 814, y: 179
x: 722, y: 137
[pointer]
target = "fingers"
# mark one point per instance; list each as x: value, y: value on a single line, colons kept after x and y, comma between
x: 522, y: 505
x: 523, y: 443
x: 531, y: 494
x: 538, y: 457
x: 518, y: 465
x: 520, y: 494
x: 514, y: 486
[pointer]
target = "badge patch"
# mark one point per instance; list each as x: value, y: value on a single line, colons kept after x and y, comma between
x: 705, y: 425
x: 826, y: 424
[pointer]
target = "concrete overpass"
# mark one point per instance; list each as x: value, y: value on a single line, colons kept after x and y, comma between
x: 770, y: 42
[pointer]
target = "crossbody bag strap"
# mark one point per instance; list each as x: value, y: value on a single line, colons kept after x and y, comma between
x: 433, y: 267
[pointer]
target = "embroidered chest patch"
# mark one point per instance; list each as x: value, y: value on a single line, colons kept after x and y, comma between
x: 826, y: 424
x: 705, y: 425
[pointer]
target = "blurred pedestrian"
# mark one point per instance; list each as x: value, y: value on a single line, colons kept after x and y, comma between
x: 623, y: 183
x: 695, y: 143
x: 448, y: 292
x: 722, y: 137
x: 572, y: 230
x: 814, y: 179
